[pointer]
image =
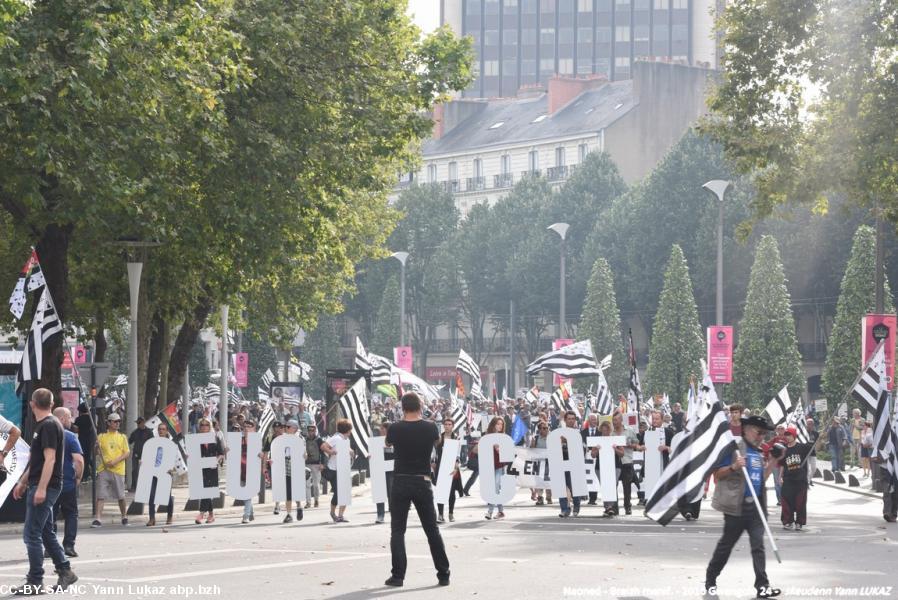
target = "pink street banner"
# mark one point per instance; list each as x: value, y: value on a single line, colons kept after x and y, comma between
x: 241, y: 369
x: 79, y: 355
x: 876, y: 328
x: 720, y: 353
x: 402, y: 356
x: 556, y: 344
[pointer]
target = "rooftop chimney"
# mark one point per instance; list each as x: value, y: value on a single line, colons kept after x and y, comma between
x: 564, y: 88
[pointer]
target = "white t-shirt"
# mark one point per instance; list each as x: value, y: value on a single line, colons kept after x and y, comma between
x: 332, y: 442
x: 6, y: 426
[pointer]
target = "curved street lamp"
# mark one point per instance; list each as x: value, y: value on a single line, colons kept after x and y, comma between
x: 718, y: 187
x: 561, y: 230
x: 402, y: 257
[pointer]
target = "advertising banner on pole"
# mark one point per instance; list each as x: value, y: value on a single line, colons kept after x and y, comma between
x: 720, y: 353
x: 241, y: 369
x: 402, y: 356
x: 876, y: 328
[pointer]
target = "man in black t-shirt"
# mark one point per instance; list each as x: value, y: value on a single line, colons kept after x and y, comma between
x: 413, y: 442
x: 87, y: 437
x: 794, y: 494
x: 40, y: 485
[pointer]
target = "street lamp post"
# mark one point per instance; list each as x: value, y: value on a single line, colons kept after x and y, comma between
x: 561, y: 230
x: 718, y: 187
x: 402, y: 257
x: 223, y: 383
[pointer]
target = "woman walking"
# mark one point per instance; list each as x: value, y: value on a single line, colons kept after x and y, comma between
x: 161, y: 431
x: 210, y: 475
x: 455, y: 486
x: 344, y: 427
x: 497, y: 425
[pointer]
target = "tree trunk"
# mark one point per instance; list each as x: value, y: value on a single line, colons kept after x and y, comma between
x: 53, y: 252
x: 163, y: 373
x: 180, y: 352
x: 154, y: 362
x: 100, y: 343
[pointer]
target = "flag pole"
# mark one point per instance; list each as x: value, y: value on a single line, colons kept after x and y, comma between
x: 754, y: 497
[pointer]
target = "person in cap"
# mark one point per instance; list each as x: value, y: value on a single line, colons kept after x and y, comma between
x: 136, y: 440
x: 794, y: 468
x: 292, y: 428
x: 112, y: 452
x: 733, y: 497
x: 277, y: 428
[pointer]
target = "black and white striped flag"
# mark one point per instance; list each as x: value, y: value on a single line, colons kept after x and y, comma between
x: 44, y: 326
x: 266, y: 420
x: 379, y: 366
x: 354, y: 405
x: 634, y: 395
x: 780, y: 407
x: 692, y: 461
x: 561, y: 398
x: 569, y: 361
x: 798, y: 420
x: 467, y: 365
x: 30, y: 279
x: 458, y: 415
x: 871, y: 391
x: 604, y: 403
x: 263, y: 392
x: 361, y: 357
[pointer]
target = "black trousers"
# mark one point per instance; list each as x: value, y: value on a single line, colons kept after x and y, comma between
x: 67, y: 506
x: 626, y: 477
x: 408, y: 490
x: 732, y: 530
x: 453, y: 489
x: 890, y: 501
x: 794, y: 499
x: 170, y: 507
x: 471, y: 480
x: 331, y: 477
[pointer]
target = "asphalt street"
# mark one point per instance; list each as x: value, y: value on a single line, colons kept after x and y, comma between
x: 846, y: 547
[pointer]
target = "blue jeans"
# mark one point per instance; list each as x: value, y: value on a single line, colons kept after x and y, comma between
x: 247, y: 508
x: 562, y: 502
x: 497, y: 477
x: 67, y: 506
x: 38, y: 535
x: 837, y: 458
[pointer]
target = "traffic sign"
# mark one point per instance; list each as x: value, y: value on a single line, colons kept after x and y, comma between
x: 95, y: 374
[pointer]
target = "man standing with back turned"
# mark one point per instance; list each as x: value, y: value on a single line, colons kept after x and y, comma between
x: 413, y: 441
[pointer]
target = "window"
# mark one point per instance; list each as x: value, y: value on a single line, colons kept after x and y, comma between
x: 528, y: 7
x: 584, y: 35
x: 559, y: 156
x: 584, y: 5
x: 473, y: 7
x: 622, y: 2
x: 510, y: 37
x: 622, y: 34
x: 603, y: 35
x: 641, y: 33
x: 490, y: 68
x: 453, y: 171
x: 547, y: 37
x: 622, y: 62
x: 528, y: 67
x: 533, y: 160
x: 566, y: 35
x: 491, y: 37
x: 505, y: 164
x: 511, y: 4
x: 478, y: 167
x: 566, y: 66
x: 680, y: 32
x: 547, y: 65
x: 431, y: 173
x: 491, y: 7
x: 528, y: 36
x: 660, y: 33
x: 547, y: 6
x: 662, y: 4
x: 582, y: 151
x: 680, y: 4
x: 509, y: 68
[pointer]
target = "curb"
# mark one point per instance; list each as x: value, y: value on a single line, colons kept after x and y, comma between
x: 848, y: 489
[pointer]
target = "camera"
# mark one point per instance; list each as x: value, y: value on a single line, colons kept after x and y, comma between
x: 778, y: 450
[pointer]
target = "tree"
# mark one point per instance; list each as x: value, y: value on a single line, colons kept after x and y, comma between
x: 199, y: 366
x: 677, y: 346
x: 798, y: 146
x: 262, y: 356
x: 766, y: 357
x: 322, y: 352
x: 600, y: 323
x: 386, y: 331
x: 429, y: 221
x: 857, y: 298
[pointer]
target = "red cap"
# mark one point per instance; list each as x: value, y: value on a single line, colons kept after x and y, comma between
x: 792, y: 431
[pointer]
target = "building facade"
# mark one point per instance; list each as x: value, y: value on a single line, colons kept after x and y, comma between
x: 521, y: 43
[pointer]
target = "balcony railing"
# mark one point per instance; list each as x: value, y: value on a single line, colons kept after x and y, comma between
x: 532, y: 173
x: 452, y: 186
x: 505, y: 180
x: 557, y: 173
x: 475, y: 184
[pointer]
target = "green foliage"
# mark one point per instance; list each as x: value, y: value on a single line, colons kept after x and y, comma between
x: 262, y: 356
x: 322, y: 352
x: 857, y: 298
x: 199, y: 368
x: 766, y: 356
x: 677, y: 345
x: 807, y: 100
x: 600, y: 323
x: 387, y: 333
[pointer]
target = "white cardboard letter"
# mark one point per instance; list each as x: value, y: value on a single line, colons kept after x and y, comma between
x: 451, y: 448
x: 295, y: 447
x: 506, y: 483
x: 344, y: 476
x: 234, y: 487
x: 148, y: 470
x: 574, y: 463
x: 379, y: 468
x: 196, y: 463
x: 652, y: 472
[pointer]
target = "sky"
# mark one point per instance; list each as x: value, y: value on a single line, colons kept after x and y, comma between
x: 426, y: 13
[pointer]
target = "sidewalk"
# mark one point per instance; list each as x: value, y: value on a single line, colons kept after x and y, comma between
x: 180, y: 493
x: 866, y: 483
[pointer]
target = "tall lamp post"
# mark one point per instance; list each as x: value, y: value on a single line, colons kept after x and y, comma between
x: 718, y: 187
x: 402, y: 257
x: 225, y: 372
x: 136, y: 255
x: 561, y: 230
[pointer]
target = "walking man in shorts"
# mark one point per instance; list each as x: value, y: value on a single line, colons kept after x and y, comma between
x: 112, y: 452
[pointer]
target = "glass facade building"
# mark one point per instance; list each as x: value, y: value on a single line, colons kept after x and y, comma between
x: 525, y: 42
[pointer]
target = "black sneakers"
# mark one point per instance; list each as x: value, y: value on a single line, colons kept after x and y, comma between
x: 394, y: 582
x: 66, y: 578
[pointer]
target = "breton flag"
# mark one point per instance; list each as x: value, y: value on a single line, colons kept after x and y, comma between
x: 361, y: 357
x: 44, y: 326
x: 871, y: 391
x: 378, y: 365
x: 797, y: 420
x: 692, y: 461
x: 570, y: 361
x: 532, y: 396
x: 634, y: 396
x: 467, y: 365
x: 561, y: 398
x: 264, y: 390
x: 266, y: 420
x: 604, y: 402
x: 780, y: 407
x: 30, y: 278
x: 354, y: 405
x: 458, y: 415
